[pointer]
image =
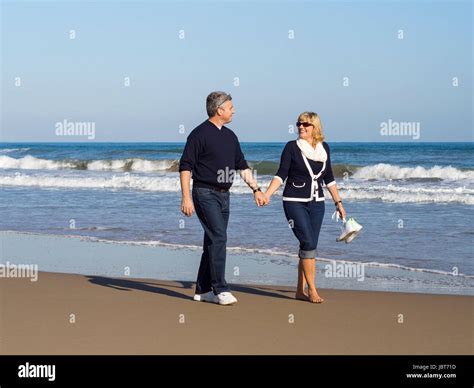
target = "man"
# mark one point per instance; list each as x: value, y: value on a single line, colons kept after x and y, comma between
x: 212, y: 155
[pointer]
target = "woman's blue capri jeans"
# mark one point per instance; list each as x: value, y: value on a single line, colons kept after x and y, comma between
x: 305, y: 219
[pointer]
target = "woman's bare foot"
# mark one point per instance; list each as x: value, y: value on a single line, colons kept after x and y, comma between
x: 313, y: 297
x: 301, y: 296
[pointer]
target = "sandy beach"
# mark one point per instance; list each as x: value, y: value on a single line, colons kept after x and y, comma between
x: 76, y: 314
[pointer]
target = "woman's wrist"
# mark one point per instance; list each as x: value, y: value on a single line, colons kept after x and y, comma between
x: 336, y: 203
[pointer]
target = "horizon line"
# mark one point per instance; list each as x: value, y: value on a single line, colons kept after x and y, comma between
x: 242, y: 142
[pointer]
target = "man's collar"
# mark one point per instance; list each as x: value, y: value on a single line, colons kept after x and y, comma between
x: 215, y: 124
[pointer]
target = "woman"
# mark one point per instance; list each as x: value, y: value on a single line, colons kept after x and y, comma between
x: 306, y: 164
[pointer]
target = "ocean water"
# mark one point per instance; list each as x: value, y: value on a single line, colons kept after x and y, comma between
x: 414, y: 200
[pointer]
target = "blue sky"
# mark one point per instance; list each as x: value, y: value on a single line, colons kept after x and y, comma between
x: 81, y: 80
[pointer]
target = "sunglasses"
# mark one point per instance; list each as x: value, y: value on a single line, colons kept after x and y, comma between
x: 298, y: 123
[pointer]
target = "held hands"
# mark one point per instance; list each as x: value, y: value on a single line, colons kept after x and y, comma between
x: 261, y: 199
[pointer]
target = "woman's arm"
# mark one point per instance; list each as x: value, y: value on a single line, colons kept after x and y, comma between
x: 330, y: 183
x: 335, y: 196
x: 274, y: 185
x: 282, y: 173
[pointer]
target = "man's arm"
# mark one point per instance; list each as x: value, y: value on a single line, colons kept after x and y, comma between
x: 186, y: 166
x: 246, y: 174
x: 187, y: 206
x: 248, y: 178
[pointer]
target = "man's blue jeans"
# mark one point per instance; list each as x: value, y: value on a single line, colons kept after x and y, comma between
x: 212, y: 209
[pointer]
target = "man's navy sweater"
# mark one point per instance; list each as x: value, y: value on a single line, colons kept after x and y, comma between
x: 213, y: 156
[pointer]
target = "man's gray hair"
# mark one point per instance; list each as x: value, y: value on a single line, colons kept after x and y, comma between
x: 215, y: 100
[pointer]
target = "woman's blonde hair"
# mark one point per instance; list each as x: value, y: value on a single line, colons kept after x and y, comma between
x: 313, y: 118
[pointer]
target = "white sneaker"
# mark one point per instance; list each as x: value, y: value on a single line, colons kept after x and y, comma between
x: 352, y: 237
x: 356, y: 228
x: 226, y: 299
x: 207, y: 297
x: 350, y: 230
